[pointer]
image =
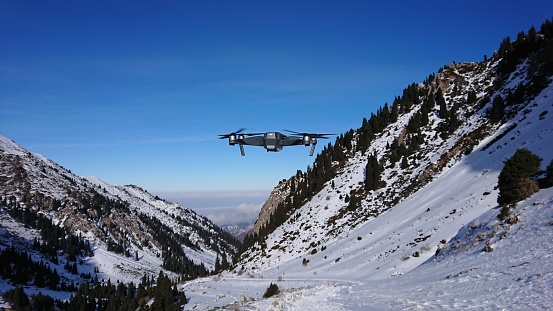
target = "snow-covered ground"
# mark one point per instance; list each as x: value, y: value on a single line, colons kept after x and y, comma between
x: 389, y: 262
x: 424, y: 253
x: 516, y: 275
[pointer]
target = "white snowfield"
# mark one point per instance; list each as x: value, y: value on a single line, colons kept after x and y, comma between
x: 389, y: 262
x: 516, y: 275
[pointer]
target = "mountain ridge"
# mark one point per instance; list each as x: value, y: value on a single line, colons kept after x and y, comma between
x: 115, y: 217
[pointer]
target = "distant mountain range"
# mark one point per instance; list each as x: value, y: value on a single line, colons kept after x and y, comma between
x: 239, y: 231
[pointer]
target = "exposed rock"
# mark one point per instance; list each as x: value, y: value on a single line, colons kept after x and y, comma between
x: 277, y: 196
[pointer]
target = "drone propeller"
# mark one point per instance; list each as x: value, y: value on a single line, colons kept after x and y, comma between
x: 235, y: 134
x: 237, y: 138
x: 311, y: 135
x: 223, y: 136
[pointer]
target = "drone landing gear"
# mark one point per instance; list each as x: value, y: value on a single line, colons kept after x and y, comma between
x: 312, y: 149
x: 242, y: 150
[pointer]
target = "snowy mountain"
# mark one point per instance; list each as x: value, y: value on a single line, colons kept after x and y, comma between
x: 239, y: 231
x: 130, y: 232
x: 400, y: 214
x: 426, y: 234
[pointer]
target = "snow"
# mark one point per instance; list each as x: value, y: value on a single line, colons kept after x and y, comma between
x: 424, y: 253
x: 516, y: 275
x: 48, y: 179
x: 388, y: 262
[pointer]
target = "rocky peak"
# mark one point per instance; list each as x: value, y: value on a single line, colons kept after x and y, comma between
x: 277, y: 196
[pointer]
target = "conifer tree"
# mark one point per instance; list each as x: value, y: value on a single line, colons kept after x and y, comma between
x: 516, y: 178
x: 271, y: 291
x: 404, y: 163
x: 440, y: 100
x: 548, y: 180
x: 373, y: 170
x: 394, y: 114
x: 217, y: 265
x: 471, y: 97
x: 18, y: 299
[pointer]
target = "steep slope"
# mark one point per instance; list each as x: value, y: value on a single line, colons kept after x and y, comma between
x: 123, y: 220
x: 516, y: 275
x: 454, y: 129
x: 427, y: 235
x: 276, y: 197
x: 360, y: 244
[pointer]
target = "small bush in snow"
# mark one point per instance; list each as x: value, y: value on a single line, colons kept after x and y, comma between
x: 271, y: 291
x: 488, y: 248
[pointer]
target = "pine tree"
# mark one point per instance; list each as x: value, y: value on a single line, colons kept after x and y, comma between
x: 516, y: 180
x: 271, y: 291
x: 404, y: 163
x: 18, y: 299
x: 548, y: 179
x: 225, y: 264
x: 440, y: 100
x: 217, y: 265
x: 373, y: 172
x: 394, y: 114
x: 471, y: 97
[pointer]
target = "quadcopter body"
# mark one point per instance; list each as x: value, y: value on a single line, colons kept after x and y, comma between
x: 273, y: 141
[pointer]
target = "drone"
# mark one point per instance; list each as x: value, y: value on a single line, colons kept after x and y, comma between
x: 272, y: 141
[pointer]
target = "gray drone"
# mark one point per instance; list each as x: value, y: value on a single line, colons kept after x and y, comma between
x: 272, y: 141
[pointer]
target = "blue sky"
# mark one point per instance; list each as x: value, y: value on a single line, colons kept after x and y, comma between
x: 136, y: 92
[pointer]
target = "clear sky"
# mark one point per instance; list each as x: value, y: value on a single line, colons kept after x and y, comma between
x: 136, y: 92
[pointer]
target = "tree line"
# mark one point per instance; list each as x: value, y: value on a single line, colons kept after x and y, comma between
x: 161, y: 294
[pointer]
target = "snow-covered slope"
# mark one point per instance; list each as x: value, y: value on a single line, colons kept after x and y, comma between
x: 380, y: 255
x: 125, y: 216
x: 436, y: 212
x: 239, y: 231
x: 516, y: 275
x: 429, y: 237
